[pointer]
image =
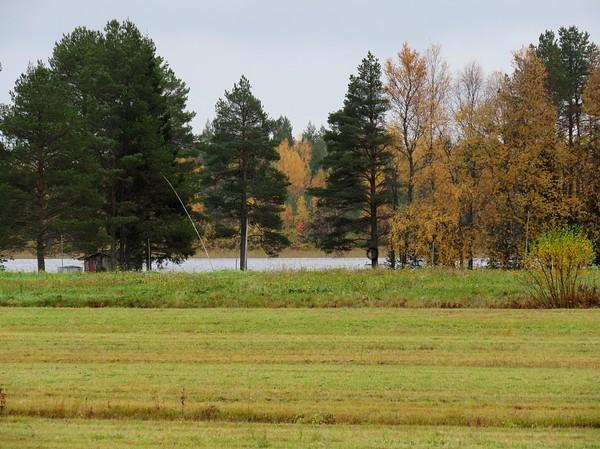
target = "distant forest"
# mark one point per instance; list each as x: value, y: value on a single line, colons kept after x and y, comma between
x: 420, y: 165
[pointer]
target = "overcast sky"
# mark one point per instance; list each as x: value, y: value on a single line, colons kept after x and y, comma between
x: 297, y: 54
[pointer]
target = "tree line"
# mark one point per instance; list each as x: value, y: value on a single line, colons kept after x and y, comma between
x: 430, y: 166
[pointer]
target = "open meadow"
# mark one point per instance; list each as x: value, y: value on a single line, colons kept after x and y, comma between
x: 299, y: 225
x: 298, y: 377
x: 328, y: 288
x: 445, y: 288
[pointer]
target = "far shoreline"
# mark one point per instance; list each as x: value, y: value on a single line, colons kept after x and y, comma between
x: 220, y: 253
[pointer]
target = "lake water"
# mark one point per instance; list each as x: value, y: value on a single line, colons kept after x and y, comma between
x: 197, y: 265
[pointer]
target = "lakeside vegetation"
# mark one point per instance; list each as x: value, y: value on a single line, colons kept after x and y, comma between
x: 493, y: 375
x: 331, y: 288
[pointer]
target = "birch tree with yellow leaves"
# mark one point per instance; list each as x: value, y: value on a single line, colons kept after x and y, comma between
x: 525, y: 193
x: 294, y: 161
x: 418, y: 88
x: 406, y: 84
x: 472, y: 120
x: 590, y: 166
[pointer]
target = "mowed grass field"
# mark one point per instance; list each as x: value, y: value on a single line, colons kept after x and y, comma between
x: 111, y: 434
x: 299, y: 378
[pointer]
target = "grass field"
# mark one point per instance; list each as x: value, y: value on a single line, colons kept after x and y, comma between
x: 339, y: 288
x: 300, y: 378
x: 30, y: 433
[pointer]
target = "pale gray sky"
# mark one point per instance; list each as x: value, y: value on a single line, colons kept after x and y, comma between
x: 297, y: 54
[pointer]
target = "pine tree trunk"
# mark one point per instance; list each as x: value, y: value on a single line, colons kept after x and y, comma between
x: 41, y: 212
x: 244, y: 244
x: 374, y: 231
x: 123, y: 250
x: 122, y: 264
x: 148, y: 258
x: 113, y: 228
x: 41, y: 253
x: 244, y: 223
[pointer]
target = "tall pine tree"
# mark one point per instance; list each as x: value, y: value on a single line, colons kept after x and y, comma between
x: 352, y: 205
x: 46, y: 170
x: 568, y: 59
x: 242, y: 189
x: 134, y: 107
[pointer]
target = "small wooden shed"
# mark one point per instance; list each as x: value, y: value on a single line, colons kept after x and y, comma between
x: 97, y: 262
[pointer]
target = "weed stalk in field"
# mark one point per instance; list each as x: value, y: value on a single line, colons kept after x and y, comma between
x: 182, y: 399
x: 2, y: 401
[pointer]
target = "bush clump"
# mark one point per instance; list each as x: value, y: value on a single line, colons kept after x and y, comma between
x: 554, y: 266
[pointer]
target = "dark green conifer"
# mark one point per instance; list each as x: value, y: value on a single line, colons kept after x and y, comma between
x: 242, y: 189
x: 351, y: 206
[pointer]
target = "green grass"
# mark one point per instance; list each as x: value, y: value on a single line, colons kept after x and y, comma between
x: 31, y: 433
x: 338, y: 288
x: 277, y: 366
x: 477, y: 368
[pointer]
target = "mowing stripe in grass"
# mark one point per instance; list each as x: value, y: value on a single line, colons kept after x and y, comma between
x: 377, y: 366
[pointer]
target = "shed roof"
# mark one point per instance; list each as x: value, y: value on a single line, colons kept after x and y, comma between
x: 92, y: 256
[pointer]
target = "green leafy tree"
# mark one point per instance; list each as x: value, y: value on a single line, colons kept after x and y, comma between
x: 568, y: 58
x: 47, y: 181
x: 242, y: 189
x: 282, y: 130
x: 135, y: 108
x: 351, y: 208
x: 319, y: 148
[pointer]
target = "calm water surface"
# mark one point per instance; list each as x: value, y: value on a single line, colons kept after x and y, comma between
x: 200, y: 265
